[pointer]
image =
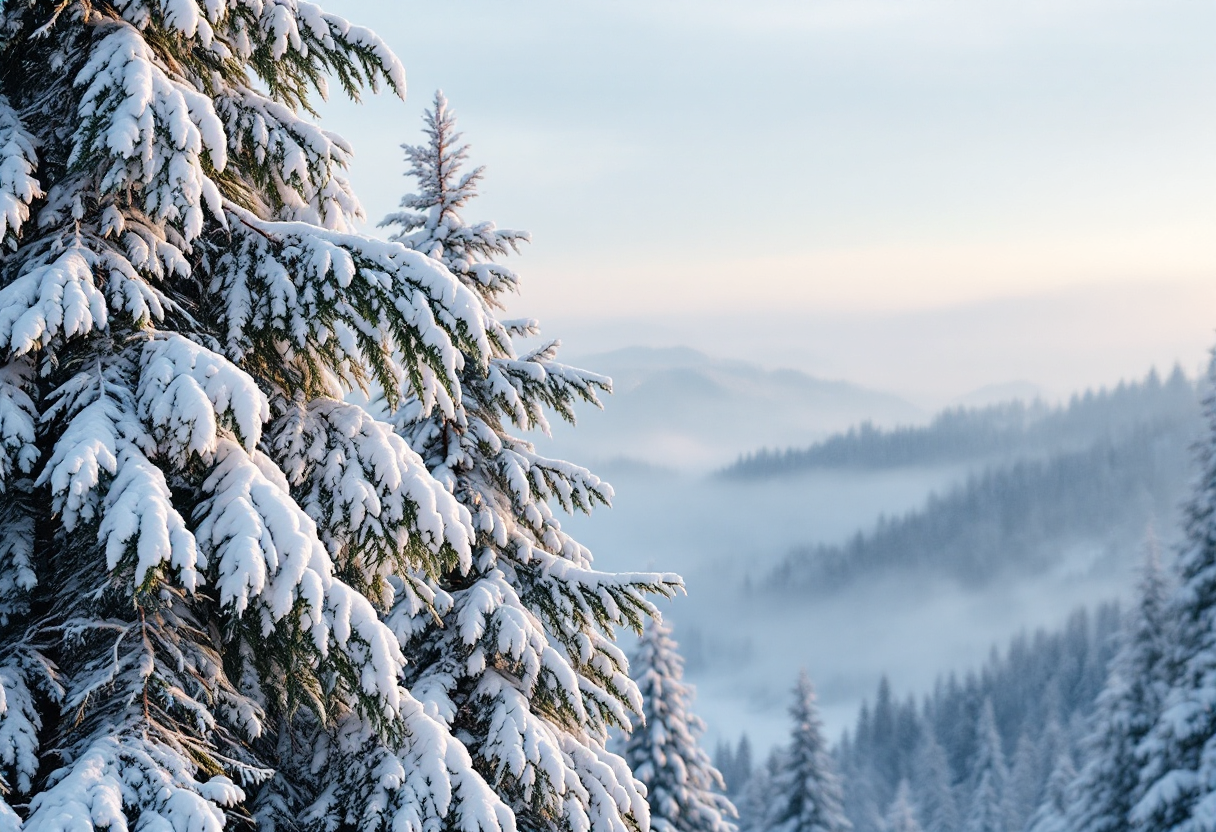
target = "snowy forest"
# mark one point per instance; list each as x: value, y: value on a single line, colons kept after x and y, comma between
x: 283, y: 545
x: 1006, y: 431
x: 1024, y: 713
x: 1094, y: 472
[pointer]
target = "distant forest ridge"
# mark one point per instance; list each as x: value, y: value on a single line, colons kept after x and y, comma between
x: 1090, y: 479
x: 1011, y: 429
x: 1017, y: 520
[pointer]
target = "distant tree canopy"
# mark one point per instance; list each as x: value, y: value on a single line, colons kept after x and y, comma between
x: 1022, y: 519
x: 1008, y: 430
x: 989, y: 750
x: 1107, y: 725
x: 1079, y: 481
x: 999, y: 733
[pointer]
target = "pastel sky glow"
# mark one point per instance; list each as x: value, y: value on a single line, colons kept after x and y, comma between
x: 680, y: 161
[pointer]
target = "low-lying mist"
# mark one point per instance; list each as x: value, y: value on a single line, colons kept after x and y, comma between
x: 749, y: 622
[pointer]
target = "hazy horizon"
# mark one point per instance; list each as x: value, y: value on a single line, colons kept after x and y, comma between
x: 920, y: 199
x: 924, y: 201
x: 1062, y: 342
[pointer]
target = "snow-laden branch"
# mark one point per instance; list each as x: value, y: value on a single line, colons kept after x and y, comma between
x: 147, y: 133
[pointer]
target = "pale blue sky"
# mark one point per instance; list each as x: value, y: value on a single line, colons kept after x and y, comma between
x: 751, y: 177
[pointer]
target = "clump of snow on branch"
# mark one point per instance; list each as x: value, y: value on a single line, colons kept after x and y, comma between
x: 18, y: 163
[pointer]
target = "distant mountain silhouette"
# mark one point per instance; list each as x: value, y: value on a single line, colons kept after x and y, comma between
x: 680, y: 407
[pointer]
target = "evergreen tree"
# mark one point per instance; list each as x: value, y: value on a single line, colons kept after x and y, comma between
x: 206, y: 555
x: 901, y: 817
x: 198, y: 538
x: 860, y: 788
x: 987, y: 812
x: 1055, y: 740
x: 909, y: 727
x: 682, y: 786
x: 1025, y: 783
x: 734, y: 764
x: 859, y: 780
x: 515, y: 653
x: 724, y: 762
x: 1178, y: 767
x: 1108, y: 785
x: 806, y: 794
x: 1052, y: 813
x: 885, y: 753
x: 938, y: 809
x: 743, y: 765
x: 757, y: 794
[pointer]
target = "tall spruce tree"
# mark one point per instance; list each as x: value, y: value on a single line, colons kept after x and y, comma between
x: 734, y: 764
x: 1109, y: 783
x: 1178, y: 763
x: 901, y: 815
x: 935, y: 799
x: 758, y: 793
x: 683, y: 788
x: 859, y: 780
x: 742, y: 766
x: 189, y: 583
x: 515, y: 654
x: 1022, y: 796
x: 987, y: 810
x: 1052, y: 813
x: 806, y: 794
x: 724, y: 762
x: 204, y: 551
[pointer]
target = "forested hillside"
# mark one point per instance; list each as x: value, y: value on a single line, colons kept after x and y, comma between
x: 1002, y: 431
x: 992, y: 736
x: 1119, y: 462
x: 1040, y: 690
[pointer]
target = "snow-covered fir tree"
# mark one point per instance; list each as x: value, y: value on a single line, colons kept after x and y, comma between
x: 881, y: 737
x: 734, y: 764
x: 1109, y: 783
x: 1052, y: 813
x: 901, y: 815
x: 757, y: 794
x: 935, y: 799
x: 986, y: 812
x: 724, y: 762
x: 1056, y: 740
x: 742, y: 765
x: 805, y: 794
x: 683, y: 788
x: 860, y: 782
x: 1178, y: 764
x: 514, y: 652
x: 209, y: 562
x: 987, y: 808
x: 1022, y: 795
x: 185, y: 590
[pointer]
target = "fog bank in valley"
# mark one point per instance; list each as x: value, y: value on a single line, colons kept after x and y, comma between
x: 936, y: 554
